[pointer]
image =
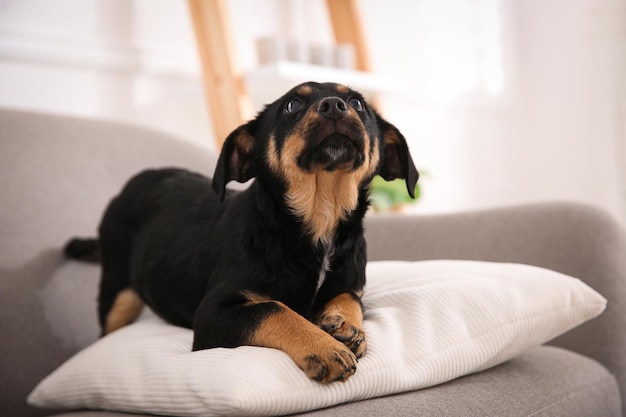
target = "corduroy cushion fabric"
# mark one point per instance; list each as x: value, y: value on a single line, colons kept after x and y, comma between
x: 426, y: 322
x: 545, y: 382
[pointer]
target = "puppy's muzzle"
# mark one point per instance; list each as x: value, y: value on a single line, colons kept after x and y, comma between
x: 336, y: 151
x: 336, y: 140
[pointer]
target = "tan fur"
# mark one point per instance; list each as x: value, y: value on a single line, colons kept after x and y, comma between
x: 254, y: 298
x: 342, y: 318
x: 345, y: 306
x: 125, y: 310
x: 342, y: 89
x: 321, y: 198
x: 391, y: 137
x: 317, y: 353
x: 245, y: 143
x: 272, y: 155
x: 305, y: 90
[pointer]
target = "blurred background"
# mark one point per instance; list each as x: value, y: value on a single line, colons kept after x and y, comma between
x: 502, y: 101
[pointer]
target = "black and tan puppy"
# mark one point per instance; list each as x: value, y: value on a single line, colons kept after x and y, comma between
x: 281, y: 264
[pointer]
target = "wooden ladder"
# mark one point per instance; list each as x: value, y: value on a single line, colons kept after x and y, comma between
x: 224, y: 86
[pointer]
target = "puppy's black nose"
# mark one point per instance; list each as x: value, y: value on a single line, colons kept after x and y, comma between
x: 332, y: 108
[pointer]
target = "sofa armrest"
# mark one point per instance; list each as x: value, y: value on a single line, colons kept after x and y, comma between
x: 571, y: 238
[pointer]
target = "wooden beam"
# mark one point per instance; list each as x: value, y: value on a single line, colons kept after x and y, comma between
x: 348, y: 28
x: 223, y: 85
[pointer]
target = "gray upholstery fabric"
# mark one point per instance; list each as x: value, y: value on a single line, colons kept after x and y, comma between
x: 574, y: 239
x: 55, y: 169
x: 58, y: 174
x: 546, y: 381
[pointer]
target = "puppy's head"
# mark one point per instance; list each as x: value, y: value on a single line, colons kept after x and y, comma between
x: 323, y: 144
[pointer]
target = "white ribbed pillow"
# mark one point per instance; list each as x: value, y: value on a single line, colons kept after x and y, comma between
x: 426, y: 323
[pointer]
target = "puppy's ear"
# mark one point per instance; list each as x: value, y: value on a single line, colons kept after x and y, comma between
x: 397, y: 161
x: 235, y: 161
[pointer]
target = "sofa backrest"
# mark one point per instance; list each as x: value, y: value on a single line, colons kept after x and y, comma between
x: 51, y: 190
x: 57, y: 175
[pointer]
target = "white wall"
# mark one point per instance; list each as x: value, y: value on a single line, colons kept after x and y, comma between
x: 555, y: 129
x: 133, y: 61
x: 571, y: 99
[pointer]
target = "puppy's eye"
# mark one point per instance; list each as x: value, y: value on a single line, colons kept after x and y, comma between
x: 356, y: 103
x: 292, y: 106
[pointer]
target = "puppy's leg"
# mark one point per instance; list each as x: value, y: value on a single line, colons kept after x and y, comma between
x: 272, y: 324
x: 320, y: 356
x: 342, y: 318
x: 125, y: 309
x: 118, y: 304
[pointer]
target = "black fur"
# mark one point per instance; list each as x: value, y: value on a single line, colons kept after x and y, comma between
x: 193, y: 258
x: 87, y: 250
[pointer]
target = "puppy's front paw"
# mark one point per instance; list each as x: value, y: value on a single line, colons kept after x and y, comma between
x: 329, y: 362
x: 349, y: 334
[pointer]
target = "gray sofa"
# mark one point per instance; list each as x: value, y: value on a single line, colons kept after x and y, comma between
x: 58, y: 173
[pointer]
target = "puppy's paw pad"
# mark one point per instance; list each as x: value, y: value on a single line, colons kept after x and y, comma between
x: 331, y: 364
x: 358, y: 346
x: 345, y: 332
x: 331, y: 322
x: 315, y: 368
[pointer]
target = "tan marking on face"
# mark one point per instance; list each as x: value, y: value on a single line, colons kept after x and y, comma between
x: 272, y: 155
x: 305, y: 90
x: 320, y: 198
x: 292, y: 148
x: 317, y: 353
x: 125, y: 310
x: 342, y: 89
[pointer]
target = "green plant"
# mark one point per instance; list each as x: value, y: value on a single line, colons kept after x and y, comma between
x: 390, y: 195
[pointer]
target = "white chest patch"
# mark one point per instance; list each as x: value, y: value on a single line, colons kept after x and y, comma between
x: 325, y: 267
